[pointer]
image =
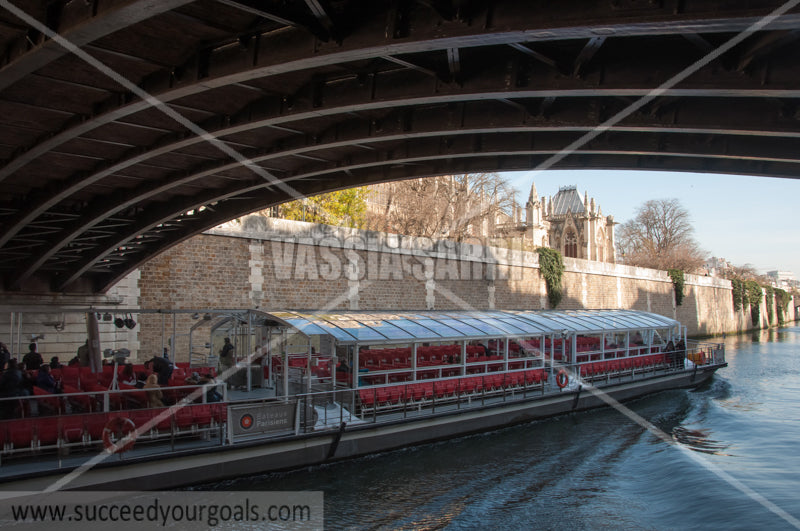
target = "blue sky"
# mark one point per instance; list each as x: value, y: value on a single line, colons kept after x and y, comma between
x: 746, y: 220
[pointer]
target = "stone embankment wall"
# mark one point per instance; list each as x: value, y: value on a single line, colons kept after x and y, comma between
x: 278, y: 264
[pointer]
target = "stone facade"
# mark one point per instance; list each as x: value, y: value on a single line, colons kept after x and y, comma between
x: 575, y: 227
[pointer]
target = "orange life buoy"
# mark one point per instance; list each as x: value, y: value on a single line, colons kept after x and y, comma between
x: 120, y: 428
x: 562, y: 378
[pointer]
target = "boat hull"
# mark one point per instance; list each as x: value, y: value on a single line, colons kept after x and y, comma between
x: 214, y: 464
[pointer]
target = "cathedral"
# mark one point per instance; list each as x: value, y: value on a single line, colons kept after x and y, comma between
x: 576, y: 227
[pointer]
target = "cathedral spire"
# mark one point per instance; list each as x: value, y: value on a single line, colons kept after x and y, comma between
x: 533, y: 197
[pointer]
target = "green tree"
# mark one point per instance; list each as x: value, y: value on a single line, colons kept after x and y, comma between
x: 346, y: 208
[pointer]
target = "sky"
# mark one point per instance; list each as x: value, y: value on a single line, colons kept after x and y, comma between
x: 746, y: 220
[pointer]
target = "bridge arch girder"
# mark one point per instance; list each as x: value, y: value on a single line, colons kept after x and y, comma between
x: 321, y: 95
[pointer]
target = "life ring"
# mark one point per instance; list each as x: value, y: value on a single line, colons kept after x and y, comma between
x: 562, y: 379
x: 119, y: 427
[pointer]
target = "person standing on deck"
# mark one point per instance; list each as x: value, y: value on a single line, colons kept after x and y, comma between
x: 32, y: 360
x: 5, y: 355
x: 226, y: 356
x: 83, y: 354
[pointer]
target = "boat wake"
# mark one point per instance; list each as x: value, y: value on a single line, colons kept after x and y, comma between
x: 698, y: 440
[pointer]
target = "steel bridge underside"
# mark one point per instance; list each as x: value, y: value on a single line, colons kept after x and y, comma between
x: 153, y: 120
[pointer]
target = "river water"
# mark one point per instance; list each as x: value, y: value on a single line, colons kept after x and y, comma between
x: 738, y: 466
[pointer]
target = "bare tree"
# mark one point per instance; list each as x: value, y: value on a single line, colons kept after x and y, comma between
x: 450, y: 206
x: 661, y: 236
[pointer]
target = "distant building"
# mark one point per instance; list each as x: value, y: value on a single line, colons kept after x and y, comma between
x: 716, y: 267
x: 782, y: 279
x: 574, y: 226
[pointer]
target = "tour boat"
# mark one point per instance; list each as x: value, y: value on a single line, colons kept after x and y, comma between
x: 313, y: 387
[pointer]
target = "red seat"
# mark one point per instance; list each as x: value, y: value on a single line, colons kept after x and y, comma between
x: 95, y: 423
x: 71, y: 428
x: 134, y: 397
x: 164, y: 418
x: 382, y: 395
x: 202, y: 414
x: 81, y: 401
x: 21, y: 433
x: 70, y: 376
x: 46, y: 401
x: 184, y: 418
x: 47, y: 431
x: 367, y: 397
x: 140, y: 418
x: 396, y: 394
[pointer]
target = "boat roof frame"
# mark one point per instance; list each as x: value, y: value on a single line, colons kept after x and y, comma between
x: 452, y: 325
x: 462, y: 324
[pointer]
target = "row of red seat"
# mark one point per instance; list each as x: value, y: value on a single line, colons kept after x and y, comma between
x: 394, y: 356
x: 84, y: 429
x: 622, y: 364
x: 78, y: 377
x: 422, y: 391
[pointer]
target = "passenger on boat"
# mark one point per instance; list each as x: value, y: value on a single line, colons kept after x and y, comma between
x: 128, y: 376
x: 11, y: 386
x: 154, y: 395
x: 680, y: 353
x: 11, y: 380
x: 5, y: 355
x: 669, y: 350
x: 54, y: 363
x: 28, y: 379
x: 45, y: 380
x: 343, y: 367
x: 83, y: 354
x: 226, y: 356
x: 162, y: 367
x: 212, y: 395
x: 74, y: 362
x: 32, y: 359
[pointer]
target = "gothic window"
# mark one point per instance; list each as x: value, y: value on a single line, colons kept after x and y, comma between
x: 571, y: 245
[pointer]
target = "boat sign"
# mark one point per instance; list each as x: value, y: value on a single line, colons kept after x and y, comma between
x: 260, y: 419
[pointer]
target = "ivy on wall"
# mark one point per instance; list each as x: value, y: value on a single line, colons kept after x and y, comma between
x: 754, y: 296
x: 769, y: 295
x: 677, y: 283
x: 783, y: 304
x: 738, y: 294
x: 551, y: 266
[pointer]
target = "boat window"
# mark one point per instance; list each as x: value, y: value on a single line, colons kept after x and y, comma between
x: 589, y: 347
x: 615, y: 344
x: 658, y: 337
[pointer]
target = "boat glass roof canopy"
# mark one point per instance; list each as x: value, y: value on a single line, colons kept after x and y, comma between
x: 431, y: 326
